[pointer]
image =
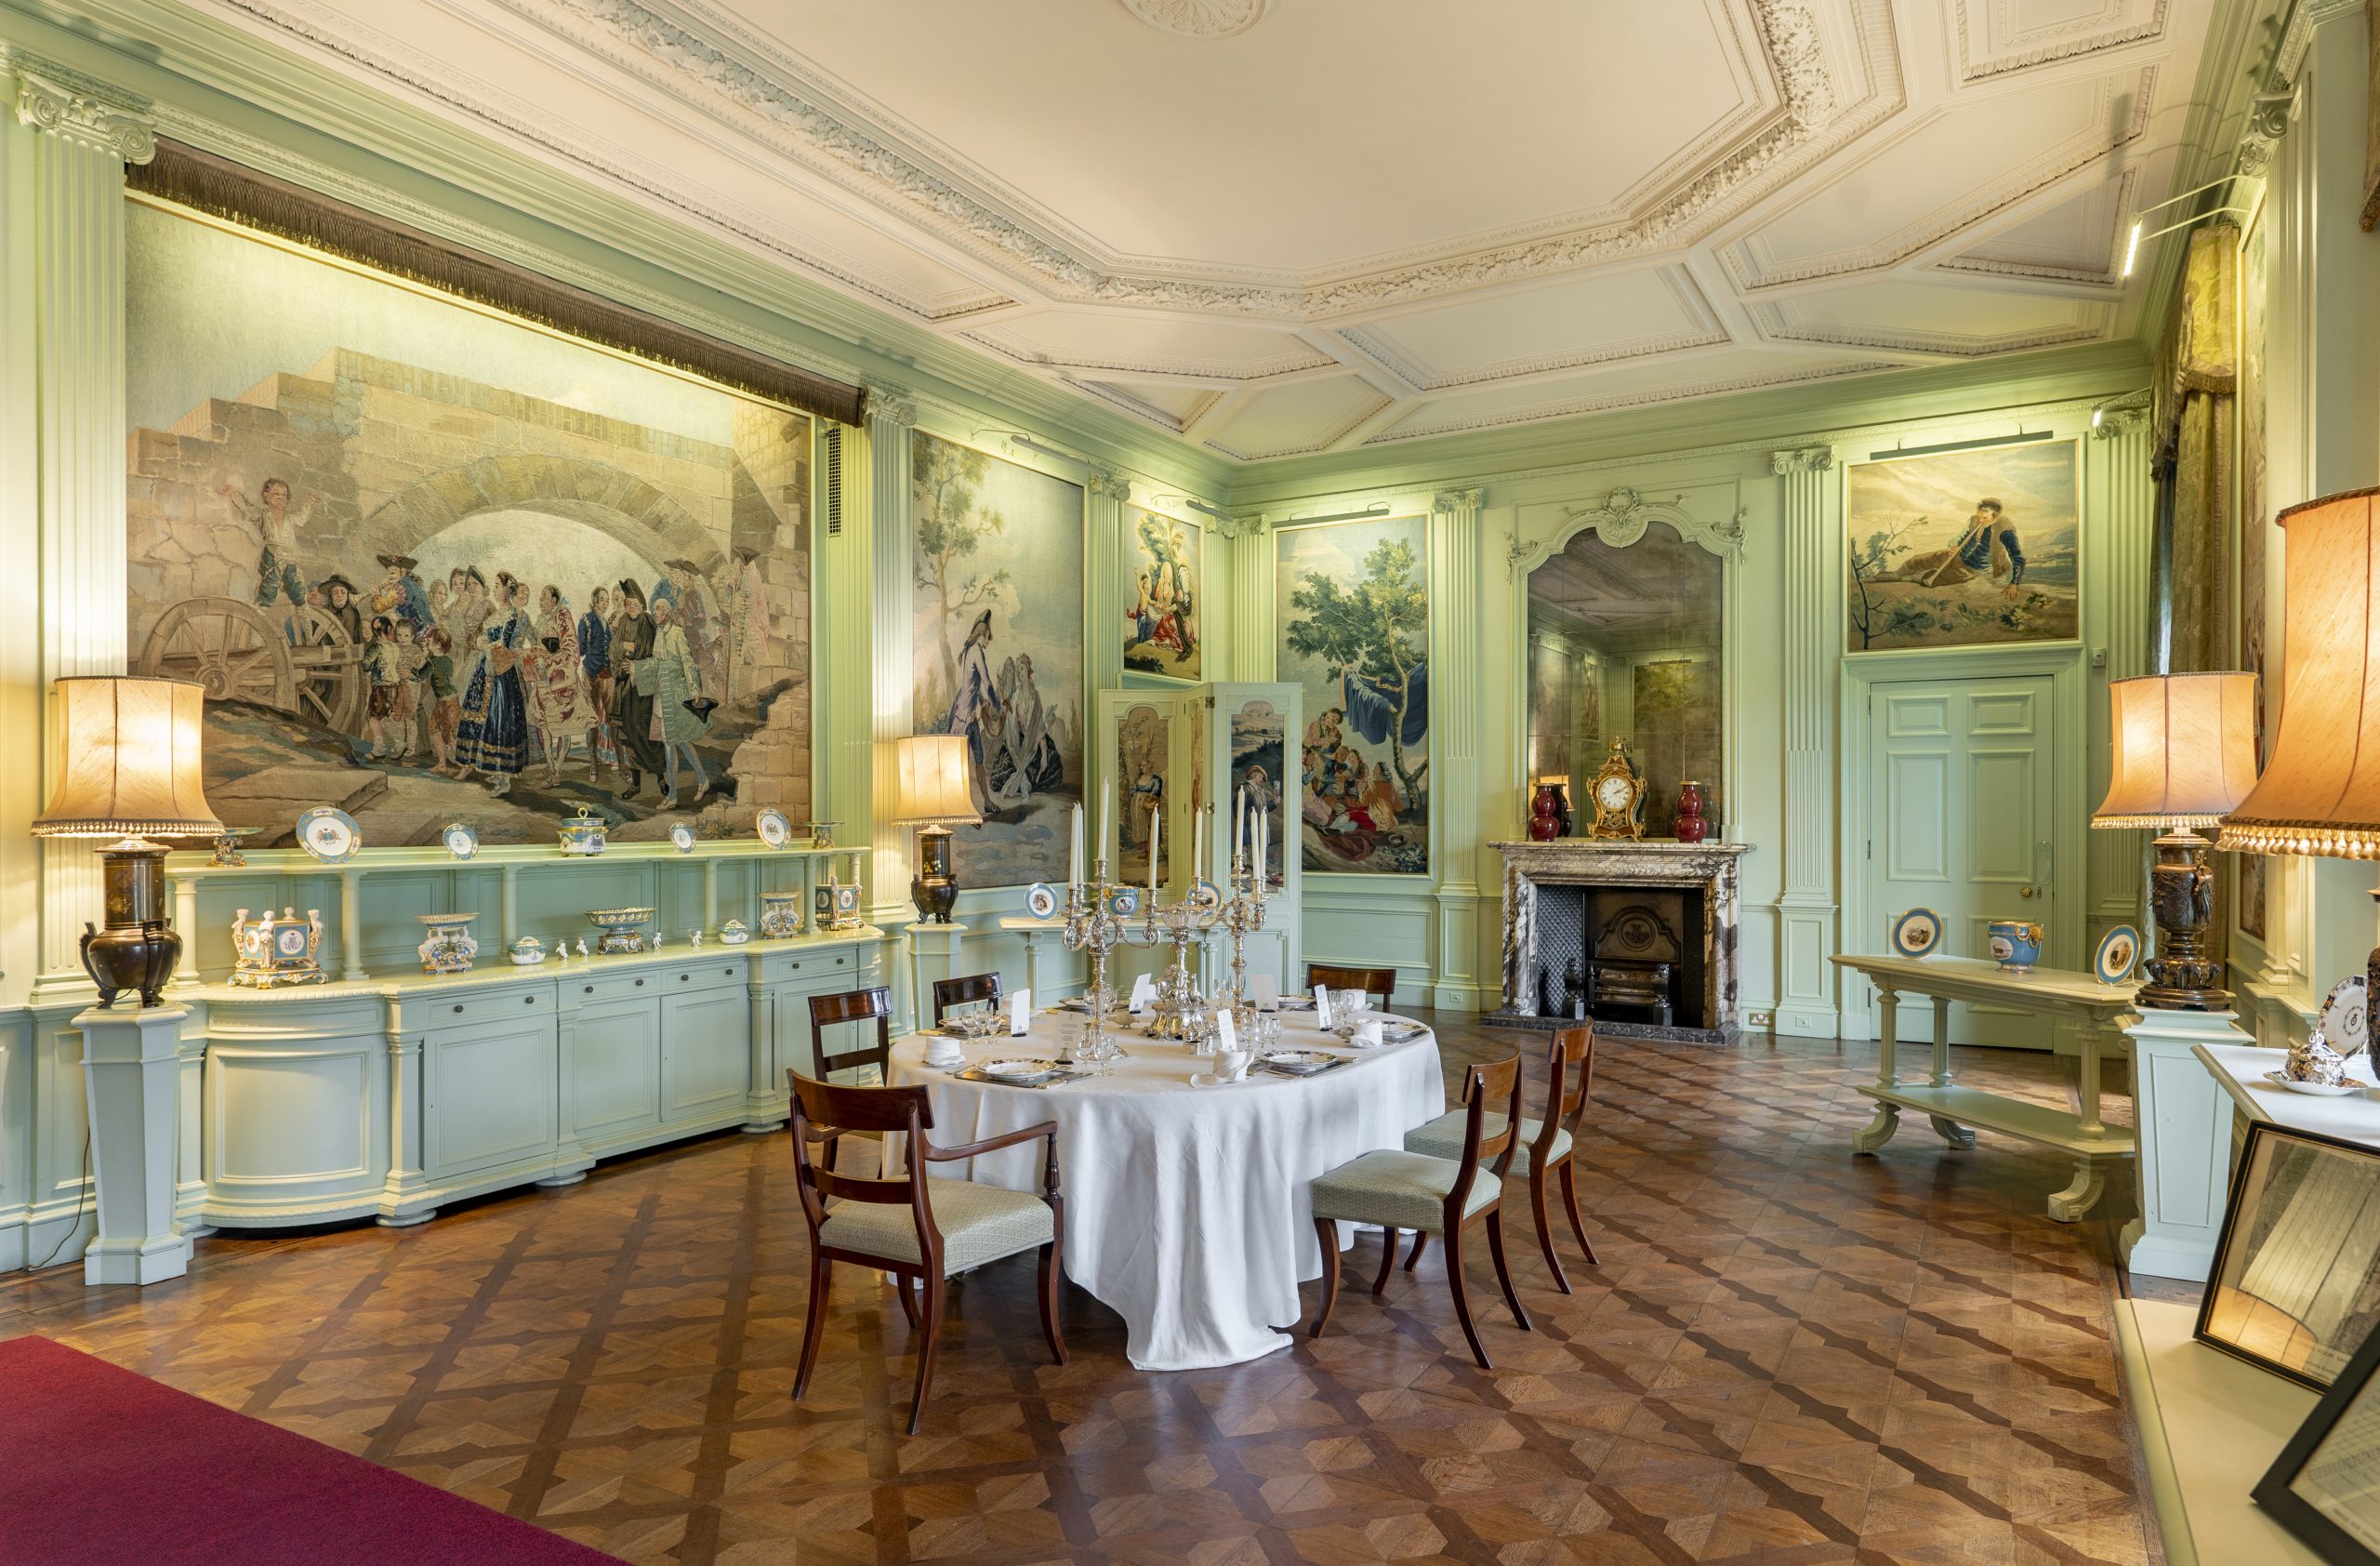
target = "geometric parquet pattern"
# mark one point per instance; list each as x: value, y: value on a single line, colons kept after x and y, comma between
x: 1789, y: 1356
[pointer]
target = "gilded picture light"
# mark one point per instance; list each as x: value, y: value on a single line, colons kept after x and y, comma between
x: 129, y: 769
x: 2319, y: 793
x: 933, y: 790
x: 2185, y: 753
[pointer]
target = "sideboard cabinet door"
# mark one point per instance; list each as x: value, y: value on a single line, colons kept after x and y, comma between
x: 616, y: 1061
x: 488, y: 1094
x: 705, y: 1053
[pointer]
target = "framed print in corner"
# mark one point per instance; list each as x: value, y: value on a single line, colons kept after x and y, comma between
x: 1960, y: 549
x: 2325, y: 1485
x: 2295, y: 1286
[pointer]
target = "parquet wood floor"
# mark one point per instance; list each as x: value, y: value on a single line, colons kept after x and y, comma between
x: 1789, y: 1357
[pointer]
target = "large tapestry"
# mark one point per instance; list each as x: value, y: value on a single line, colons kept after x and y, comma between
x: 1963, y: 548
x: 1354, y: 610
x: 1162, y: 600
x: 999, y: 650
x: 434, y: 565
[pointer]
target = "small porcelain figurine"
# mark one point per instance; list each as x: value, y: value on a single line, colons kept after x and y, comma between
x: 696, y: 937
x: 582, y: 946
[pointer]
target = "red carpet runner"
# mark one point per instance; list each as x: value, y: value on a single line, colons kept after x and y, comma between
x: 101, y: 1466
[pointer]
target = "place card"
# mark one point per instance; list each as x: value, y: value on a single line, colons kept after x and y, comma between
x: 1322, y: 1007
x: 1265, y: 992
x: 1020, y: 1013
x: 1226, y: 1031
x: 1143, y: 991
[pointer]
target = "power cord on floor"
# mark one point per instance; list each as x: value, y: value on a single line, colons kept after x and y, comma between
x: 75, y: 1226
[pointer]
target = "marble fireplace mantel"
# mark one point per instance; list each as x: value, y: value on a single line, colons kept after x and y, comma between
x: 1709, y: 867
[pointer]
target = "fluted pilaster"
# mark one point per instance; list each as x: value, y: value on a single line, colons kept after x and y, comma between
x: 2118, y: 862
x: 1455, y: 819
x: 64, y: 284
x: 890, y: 415
x: 1807, y: 909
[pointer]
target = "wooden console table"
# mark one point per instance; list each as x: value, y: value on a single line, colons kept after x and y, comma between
x: 2101, y: 1009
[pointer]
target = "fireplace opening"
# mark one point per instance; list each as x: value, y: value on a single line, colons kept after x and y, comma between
x: 1625, y: 955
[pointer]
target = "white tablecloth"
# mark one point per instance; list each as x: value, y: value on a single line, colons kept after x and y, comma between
x: 1188, y: 1208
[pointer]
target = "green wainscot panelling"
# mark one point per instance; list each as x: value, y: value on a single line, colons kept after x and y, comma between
x: 1372, y: 921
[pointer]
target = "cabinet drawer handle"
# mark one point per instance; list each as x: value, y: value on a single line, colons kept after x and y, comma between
x: 590, y: 989
x: 639, y: 984
x: 797, y: 967
x: 459, y: 1009
x: 684, y: 977
x: 528, y: 999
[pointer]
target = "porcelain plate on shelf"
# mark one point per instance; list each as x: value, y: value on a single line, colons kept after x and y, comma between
x: 2345, y: 1022
x: 2315, y: 1090
x: 1917, y: 932
x: 774, y: 830
x: 329, y: 835
x: 462, y: 840
x: 681, y: 837
x: 1042, y: 900
x: 2119, y: 949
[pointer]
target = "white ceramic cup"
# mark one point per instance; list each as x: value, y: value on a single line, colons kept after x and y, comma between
x: 1232, y: 1065
x: 944, y: 1051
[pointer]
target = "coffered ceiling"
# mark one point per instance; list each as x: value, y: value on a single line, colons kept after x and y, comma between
x: 1274, y: 227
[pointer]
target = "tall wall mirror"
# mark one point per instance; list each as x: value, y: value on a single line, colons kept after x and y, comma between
x: 1624, y: 641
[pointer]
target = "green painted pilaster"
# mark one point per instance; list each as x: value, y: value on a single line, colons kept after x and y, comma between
x: 1455, y: 816
x: 1807, y: 908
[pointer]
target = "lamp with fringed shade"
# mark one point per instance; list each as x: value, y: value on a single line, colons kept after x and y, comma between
x: 129, y: 767
x: 933, y: 790
x: 2184, y: 752
x: 2319, y: 793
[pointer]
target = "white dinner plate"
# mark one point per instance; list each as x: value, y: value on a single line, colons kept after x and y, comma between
x: 1300, y: 1061
x: 2345, y: 1024
x: 1018, y: 1070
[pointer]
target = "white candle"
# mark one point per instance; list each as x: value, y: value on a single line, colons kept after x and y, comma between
x: 1106, y: 815
x: 1263, y: 836
x: 1239, y: 823
x: 1198, y: 842
x: 1156, y: 838
x: 1074, y: 859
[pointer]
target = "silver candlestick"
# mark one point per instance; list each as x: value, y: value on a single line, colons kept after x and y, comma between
x: 1091, y: 926
x: 1241, y: 913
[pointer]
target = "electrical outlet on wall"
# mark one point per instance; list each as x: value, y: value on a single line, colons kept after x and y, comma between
x: 1760, y: 1019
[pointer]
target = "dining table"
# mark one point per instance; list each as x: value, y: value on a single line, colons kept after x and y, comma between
x: 1187, y: 1204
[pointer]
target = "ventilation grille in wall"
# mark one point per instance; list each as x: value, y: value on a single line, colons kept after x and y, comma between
x: 834, y: 481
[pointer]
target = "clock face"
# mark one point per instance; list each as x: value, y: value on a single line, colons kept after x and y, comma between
x: 1612, y: 793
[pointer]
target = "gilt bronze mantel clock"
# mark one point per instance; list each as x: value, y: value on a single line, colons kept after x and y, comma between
x: 1618, y: 795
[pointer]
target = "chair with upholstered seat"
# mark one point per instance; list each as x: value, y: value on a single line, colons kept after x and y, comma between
x: 921, y: 1230
x: 1379, y: 983
x: 966, y: 990
x: 1547, y: 1145
x: 1401, y: 1191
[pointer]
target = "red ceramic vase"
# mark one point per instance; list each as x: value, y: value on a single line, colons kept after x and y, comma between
x: 1691, y: 826
x: 1545, y: 814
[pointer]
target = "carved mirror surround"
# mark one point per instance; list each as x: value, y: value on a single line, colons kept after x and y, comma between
x: 1626, y: 623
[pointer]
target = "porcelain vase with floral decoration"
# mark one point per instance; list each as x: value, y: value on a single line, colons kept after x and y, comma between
x: 447, y: 946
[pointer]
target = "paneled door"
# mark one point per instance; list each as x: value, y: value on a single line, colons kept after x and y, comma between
x: 1960, y: 782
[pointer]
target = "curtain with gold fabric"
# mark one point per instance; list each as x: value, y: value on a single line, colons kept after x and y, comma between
x: 2198, y: 373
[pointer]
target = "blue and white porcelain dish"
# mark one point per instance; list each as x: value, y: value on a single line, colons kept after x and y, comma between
x: 1042, y: 900
x: 1917, y: 932
x: 2119, y: 949
x: 582, y: 835
x: 329, y: 835
x: 681, y: 838
x: 1124, y: 901
x: 774, y: 830
x: 462, y: 839
x: 2016, y: 944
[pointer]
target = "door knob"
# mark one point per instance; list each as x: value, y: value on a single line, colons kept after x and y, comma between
x: 2024, y: 891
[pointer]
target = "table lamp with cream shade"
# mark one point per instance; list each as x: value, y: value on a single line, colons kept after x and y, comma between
x: 2184, y: 752
x: 933, y: 790
x: 2319, y: 793
x: 129, y: 756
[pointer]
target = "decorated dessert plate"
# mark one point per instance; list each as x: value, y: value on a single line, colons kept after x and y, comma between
x: 1917, y: 932
x: 681, y: 838
x: 774, y: 830
x: 2346, y: 1021
x: 1042, y: 900
x: 462, y: 839
x: 1301, y: 1062
x: 329, y: 835
x: 2315, y: 1090
x: 2119, y: 949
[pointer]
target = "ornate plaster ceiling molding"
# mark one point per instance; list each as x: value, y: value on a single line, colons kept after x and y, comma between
x: 1199, y: 18
x: 828, y: 137
x: 2013, y: 50
x: 1705, y: 332
x: 1992, y: 258
x: 1115, y: 396
x: 1010, y: 346
x: 1571, y: 407
x: 1331, y: 435
x: 1750, y: 270
x: 2090, y: 323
